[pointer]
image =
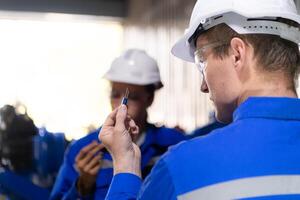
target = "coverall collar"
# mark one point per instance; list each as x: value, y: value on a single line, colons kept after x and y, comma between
x: 269, y: 107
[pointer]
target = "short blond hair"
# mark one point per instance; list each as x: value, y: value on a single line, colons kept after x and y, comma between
x: 271, y: 52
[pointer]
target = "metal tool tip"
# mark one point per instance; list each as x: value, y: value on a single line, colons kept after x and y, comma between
x: 126, y: 93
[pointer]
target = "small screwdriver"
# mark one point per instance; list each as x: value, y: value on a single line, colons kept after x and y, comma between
x: 124, y: 102
x: 125, y: 98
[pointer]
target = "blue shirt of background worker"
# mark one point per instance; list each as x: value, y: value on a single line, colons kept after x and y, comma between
x: 154, y: 142
x: 204, y: 130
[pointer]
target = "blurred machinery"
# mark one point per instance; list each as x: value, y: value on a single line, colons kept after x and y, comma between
x: 30, y: 157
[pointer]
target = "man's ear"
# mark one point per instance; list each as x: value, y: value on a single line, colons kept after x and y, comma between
x: 238, y: 49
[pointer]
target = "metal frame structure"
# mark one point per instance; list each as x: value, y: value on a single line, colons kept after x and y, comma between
x: 111, y: 8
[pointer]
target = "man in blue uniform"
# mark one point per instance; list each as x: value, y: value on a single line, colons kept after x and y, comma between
x: 87, y: 169
x: 248, y: 53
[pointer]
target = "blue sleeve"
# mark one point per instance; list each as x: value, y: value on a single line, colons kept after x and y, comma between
x: 65, y: 184
x: 124, y: 186
x: 158, y: 185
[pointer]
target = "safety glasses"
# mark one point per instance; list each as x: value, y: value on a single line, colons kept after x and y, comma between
x: 199, y: 55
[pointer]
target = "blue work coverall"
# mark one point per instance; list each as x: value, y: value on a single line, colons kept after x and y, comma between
x: 18, y: 186
x: 155, y: 143
x: 255, y: 157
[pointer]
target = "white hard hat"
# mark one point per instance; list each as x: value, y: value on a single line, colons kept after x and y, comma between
x: 136, y: 67
x: 251, y: 17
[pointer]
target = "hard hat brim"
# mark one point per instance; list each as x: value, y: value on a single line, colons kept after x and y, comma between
x: 185, y: 51
x: 157, y: 84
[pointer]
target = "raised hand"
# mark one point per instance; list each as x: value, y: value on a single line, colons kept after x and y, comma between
x: 88, y: 163
x: 116, y: 135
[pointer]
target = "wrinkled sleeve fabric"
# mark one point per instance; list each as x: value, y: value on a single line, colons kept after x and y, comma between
x: 158, y: 185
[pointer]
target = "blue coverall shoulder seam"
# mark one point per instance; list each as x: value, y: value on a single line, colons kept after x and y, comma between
x: 187, y: 143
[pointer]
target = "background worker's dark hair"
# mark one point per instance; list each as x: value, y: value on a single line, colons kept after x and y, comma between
x: 16, y: 139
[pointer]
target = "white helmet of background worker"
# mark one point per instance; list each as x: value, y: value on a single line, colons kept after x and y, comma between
x: 136, y: 67
x: 251, y: 17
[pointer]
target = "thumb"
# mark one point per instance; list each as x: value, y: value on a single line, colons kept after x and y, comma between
x: 120, y: 118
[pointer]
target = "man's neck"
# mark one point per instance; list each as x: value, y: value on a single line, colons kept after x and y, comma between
x: 267, y: 87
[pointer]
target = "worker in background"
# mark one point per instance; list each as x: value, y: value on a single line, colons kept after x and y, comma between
x: 248, y: 53
x: 206, y: 129
x: 87, y: 169
x: 29, y: 157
